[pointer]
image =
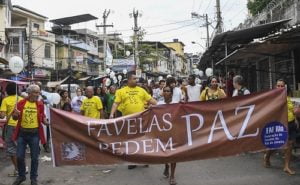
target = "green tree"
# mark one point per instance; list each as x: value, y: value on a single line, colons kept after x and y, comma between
x: 257, y: 6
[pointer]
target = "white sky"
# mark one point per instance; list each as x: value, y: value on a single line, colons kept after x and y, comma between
x: 154, y: 12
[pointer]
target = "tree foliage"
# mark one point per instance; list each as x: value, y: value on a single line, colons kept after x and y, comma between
x: 257, y: 6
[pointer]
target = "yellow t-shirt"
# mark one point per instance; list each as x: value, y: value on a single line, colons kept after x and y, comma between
x: 7, y: 106
x: 207, y: 95
x: 132, y: 100
x: 92, y: 107
x: 290, y: 105
x: 29, y: 115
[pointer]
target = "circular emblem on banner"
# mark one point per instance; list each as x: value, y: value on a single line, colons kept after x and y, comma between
x: 274, y: 135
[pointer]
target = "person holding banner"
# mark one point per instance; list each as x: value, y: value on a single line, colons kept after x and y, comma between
x: 92, y: 105
x: 29, y: 131
x: 7, y: 107
x: 292, y: 132
x: 168, y: 94
x: 132, y: 98
x: 213, y: 91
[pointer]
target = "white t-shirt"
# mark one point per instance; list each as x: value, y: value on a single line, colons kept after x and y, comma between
x: 76, y: 103
x: 236, y: 92
x: 194, y: 92
x: 163, y: 102
x: 157, y: 94
x: 177, y: 95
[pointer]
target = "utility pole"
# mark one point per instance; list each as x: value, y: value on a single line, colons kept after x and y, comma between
x: 104, y: 25
x: 115, y: 42
x: 219, y: 26
x: 30, y: 63
x: 70, y: 72
x: 136, y: 30
x: 205, y: 18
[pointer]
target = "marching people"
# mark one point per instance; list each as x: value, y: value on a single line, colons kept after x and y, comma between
x: 239, y: 88
x: 6, y: 110
x: 29, y: 131
x: 109, y: 99
x: 292, y: 132
x: 92, y: 106
x: 213, y: 91
x: 64, y: 98
x: 167, y: 94
x: 193, y: 89
x: 157, y: 93
x: 230, y: 84
x: 132, y: 98
x: 77, y: 101
x: 177, y: 93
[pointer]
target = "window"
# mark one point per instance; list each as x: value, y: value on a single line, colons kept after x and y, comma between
x: 47, y: 50
x: 15, y: 45
x: 37, y: 26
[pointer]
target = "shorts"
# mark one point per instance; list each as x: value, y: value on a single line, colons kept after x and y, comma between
x: 11, y: 147
x: 292, y: 128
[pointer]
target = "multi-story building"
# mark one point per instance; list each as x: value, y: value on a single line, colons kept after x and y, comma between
x: 182, y: 65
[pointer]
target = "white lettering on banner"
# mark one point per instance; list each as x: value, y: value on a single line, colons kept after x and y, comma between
x: 246, y: 121
x: 134, y: 147
x: 154, y: 122
x: 118, y: 131
x: 127, y: 147
x: 141, y: 126
x: 188, y: 126
x: 148, y: 146
x: 104, y: 128
x: 89, y: 128
x: 167, y: 122
x: 129, y: 124
x: 223, y: 127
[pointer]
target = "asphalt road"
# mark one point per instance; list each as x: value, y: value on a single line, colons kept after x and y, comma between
x: 244, y: 169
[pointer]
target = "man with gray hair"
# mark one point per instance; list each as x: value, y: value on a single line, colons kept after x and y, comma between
x: 239, y: 88
x: 29, y: 131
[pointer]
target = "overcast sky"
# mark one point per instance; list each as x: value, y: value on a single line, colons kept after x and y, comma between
x: 154, y: 12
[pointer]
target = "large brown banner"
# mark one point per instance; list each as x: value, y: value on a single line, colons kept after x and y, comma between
x: 173, y: 133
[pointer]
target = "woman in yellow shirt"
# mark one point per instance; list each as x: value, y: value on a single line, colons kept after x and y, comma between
x: 292, y: 131
x: 213, y: 91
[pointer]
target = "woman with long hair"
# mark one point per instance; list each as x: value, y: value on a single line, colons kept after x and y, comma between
x: 213, y: 91
x: 168, y: 94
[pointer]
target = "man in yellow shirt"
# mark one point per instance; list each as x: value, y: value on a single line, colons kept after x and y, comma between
x: 92, y: 106
x: 132, y: 99
x: 7, y: 107
x: 29, y: 131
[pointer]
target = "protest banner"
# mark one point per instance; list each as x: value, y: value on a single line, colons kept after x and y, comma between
x: 173, y: 133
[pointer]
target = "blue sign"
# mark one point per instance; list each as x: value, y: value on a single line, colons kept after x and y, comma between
x: 274, y: 135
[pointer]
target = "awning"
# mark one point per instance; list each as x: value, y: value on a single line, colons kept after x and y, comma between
x: 54, y: 84
x: 17, y: 82
x: 248, y: 34
x: 84, y: 78
x: 74, y: 19
x: 258, y: 49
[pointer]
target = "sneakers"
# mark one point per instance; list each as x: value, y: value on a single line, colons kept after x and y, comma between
x: 19, y: 180
x: 13, y: 174
x: 34, y: 182
x: 130, y: 167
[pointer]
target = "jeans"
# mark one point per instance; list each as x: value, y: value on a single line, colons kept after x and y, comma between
x: 31, y: 139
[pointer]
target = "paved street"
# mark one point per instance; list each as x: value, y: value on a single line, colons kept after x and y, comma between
x: 239, y: 170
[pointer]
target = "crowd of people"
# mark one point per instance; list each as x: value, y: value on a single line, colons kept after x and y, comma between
x: 25, y: 114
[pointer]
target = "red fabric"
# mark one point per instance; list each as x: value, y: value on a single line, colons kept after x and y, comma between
x: 229, y: 88
x: 41, y: 116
